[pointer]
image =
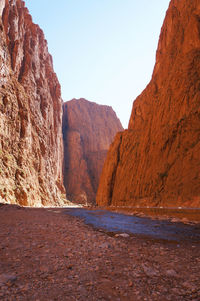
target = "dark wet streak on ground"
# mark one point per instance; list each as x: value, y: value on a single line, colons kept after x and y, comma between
x: 120, y: 223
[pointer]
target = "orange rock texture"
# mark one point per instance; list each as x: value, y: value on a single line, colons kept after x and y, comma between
x: 31, y: 148
x: 88, y: 130
x: 156, y: 161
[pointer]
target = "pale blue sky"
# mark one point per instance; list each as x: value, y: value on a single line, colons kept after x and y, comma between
x: 103, y: 50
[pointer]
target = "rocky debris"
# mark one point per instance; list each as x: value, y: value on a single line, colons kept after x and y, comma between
x: 31, y: 149
x: 45, y: 255
x: 88, y: 130
x: 156, y: 161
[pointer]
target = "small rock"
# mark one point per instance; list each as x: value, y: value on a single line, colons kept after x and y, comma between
x: 70, y: 267
x: 189, y: 285
x: 175, y: 220
x: 5, y: 278
x: 150, y: 272
x: 171, y: 273
x: 184, y: 220
x: 176, y: 291
x: 122, y: 235
x: 105, y: 245
x: 130, y: 284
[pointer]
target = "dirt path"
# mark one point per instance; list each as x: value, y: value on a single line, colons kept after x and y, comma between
x: 46, y: 255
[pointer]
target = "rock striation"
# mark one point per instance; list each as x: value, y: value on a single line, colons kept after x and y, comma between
x: 156, y: 161
x: 31, y: 149
x: 88, y: 130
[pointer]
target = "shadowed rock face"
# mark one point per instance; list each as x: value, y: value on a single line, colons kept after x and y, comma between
x: 30, y: 112
x: 88, y: 130
x: 156, y: 161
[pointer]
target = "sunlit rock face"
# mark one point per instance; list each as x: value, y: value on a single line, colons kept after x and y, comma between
x: 31, y: 151
x: 156, y: 161
x: 88, y: 130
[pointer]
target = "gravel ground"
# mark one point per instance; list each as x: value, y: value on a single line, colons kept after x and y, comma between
x: 48, y: 255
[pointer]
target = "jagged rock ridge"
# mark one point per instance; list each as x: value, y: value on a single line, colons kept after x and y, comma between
x: 156, y: 161
x: 88, y: 130
x: 31, y: 148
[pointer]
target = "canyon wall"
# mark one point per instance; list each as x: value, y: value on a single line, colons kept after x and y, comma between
x: 156, y: 161
x: 88, y: 130
x: 31, y: 148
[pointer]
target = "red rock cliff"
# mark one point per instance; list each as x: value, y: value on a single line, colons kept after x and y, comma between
x: 156, y: 161
x: 30, y: 112
x: 88, y: 130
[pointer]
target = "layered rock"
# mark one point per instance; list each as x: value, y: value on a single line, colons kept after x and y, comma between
x: 31, y: 149
x: 156, y: 161
x: 88, y: 130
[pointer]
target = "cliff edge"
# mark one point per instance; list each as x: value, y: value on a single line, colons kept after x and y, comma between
x: 31, y: 148
x: 156, y: 161
x: 88, y: 130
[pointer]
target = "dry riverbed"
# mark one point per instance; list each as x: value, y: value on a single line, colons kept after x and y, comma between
x: 48, y: 255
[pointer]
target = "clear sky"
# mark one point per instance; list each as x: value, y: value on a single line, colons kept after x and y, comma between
x: 103, y: 50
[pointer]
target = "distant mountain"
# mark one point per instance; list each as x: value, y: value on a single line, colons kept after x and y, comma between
x: 88, y: 130
x: 156, y: 162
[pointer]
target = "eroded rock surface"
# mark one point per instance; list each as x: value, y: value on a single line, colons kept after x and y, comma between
x: 156, y: 161
x: 31, y: 149
x: 88, y: 130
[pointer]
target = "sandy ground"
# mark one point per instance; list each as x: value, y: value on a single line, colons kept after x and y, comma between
x: 47, y: 255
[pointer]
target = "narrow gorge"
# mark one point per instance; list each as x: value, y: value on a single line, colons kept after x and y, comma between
x: 31, y: 116
x: 153, y: 163
x: 88, y: 210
